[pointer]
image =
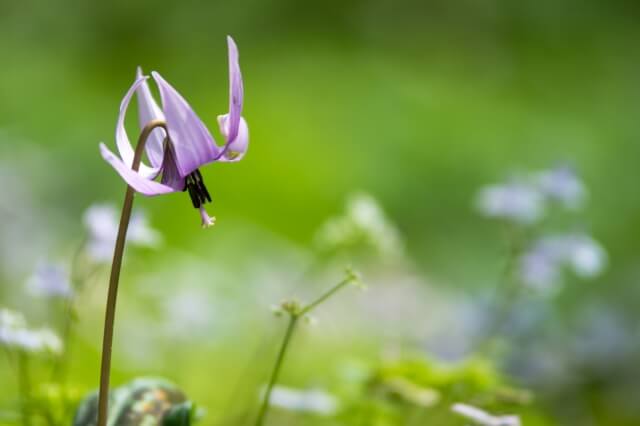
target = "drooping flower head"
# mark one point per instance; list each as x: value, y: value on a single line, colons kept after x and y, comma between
x: 175, y: 158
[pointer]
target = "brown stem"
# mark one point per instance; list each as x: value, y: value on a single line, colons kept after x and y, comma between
x: 105, y: 368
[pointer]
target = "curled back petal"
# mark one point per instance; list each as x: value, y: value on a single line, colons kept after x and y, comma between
x: 122, y: 140
x: 234, y: 150
x: 139, y: 183
x: 236, y: 91
x: 192, y: 143
x: 149, y: 110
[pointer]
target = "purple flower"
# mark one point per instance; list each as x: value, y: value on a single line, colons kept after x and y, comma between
x: 175, y: 159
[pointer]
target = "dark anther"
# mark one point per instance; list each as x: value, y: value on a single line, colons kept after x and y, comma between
x: 198, y: 192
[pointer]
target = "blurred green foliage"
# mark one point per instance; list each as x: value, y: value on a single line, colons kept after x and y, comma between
x: 416, y: 102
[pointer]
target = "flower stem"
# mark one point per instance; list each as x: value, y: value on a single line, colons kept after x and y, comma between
x: 311, y: 306
x: 24, y: 382
x: 506, y: 291
x: 107, y: 341
x: 262, y: 415
x: 59, y: 371
x: 294, y: 316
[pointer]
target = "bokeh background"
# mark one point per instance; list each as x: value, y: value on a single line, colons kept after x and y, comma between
x: 416, y: 103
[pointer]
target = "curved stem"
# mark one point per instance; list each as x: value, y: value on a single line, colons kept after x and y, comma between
x: 105, y: 367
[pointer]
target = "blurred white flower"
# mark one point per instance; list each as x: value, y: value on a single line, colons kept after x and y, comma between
x: 15, y: 334
x: 19, y: 205
x: 587, y: 258
x: 481, y: 417
x: 541, y: 267
x: 190, y: 310
x: 10, y: 321
x: 563, y: 185
x: 101, y: 221
x: 309, y: 401
x: 363, y: 222
x: 50, y: 280
x: 515, y: 201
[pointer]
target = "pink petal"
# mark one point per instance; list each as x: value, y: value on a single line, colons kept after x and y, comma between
x: 236, y: 91
x: 135, y: 180
x: 149, y: 110
x: 192, y: 143
x: 235, y: 150
x: 122, y: 140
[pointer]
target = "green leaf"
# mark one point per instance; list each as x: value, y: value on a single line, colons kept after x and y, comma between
x: 180, y: 415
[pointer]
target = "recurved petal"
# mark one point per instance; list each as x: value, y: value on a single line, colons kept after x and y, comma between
x: 135, y: 180
x: 192, y: 143
x: 149, y: 110
x: 235, y: 150
x: 122, y: 140
x: 236, y: 91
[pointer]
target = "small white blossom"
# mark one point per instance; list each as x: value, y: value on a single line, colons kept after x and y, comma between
x: 519, y: 202
x: 102, y: 221
x: 588, y: 258
x: 563, y: 185
x: 363, y: 221
x: 50, y: 280
x: 10, y: 322
x: 482, y: 418
x: 15, y: 334
x: 310, y: 401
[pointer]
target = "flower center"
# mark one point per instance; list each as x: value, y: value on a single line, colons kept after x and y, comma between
x: 197, y: 191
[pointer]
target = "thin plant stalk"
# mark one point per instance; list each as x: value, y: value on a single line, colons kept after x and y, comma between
x: 107, y: 341
x: 60, y: 364
x: 295, y: 313
x: 293, y: 320
x: 24, y: 383
x: 507, y: 290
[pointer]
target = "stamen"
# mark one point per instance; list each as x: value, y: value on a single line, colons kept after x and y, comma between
x: 198, y: 192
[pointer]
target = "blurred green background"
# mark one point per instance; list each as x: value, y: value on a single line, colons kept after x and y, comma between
x: 418, y: 103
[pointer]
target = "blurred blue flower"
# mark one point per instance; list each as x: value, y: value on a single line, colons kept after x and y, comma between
x: 563, y: 185
x: 101, y: 221
x: 542, y: 265
x: 50, y: 280
x: 515, y: 201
